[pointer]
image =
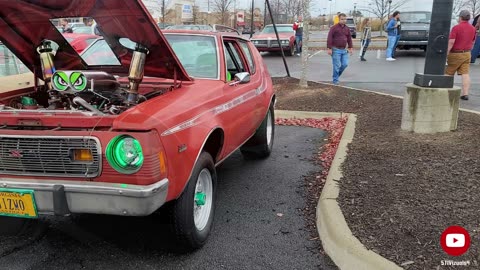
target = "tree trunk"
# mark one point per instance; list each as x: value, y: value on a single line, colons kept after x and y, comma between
x: 305, y: 40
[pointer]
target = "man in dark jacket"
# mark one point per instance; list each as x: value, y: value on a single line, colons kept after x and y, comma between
x: 476, y: 47
x: 339, y: 44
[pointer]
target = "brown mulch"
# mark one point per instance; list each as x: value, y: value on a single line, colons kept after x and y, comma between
x: 400, y: 190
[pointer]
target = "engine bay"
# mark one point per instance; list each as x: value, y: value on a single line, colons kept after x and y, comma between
x: 90, y: 91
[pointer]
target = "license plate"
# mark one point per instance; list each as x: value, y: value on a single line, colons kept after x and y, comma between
x: 414, y: 33
x: 17, y: 203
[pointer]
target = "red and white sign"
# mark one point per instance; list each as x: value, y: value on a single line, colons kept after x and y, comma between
x: 455, y: 240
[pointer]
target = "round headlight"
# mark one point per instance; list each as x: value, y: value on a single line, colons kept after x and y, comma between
x: 124, y: 153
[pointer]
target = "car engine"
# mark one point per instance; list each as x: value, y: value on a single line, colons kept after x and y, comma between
x: 95, y: 92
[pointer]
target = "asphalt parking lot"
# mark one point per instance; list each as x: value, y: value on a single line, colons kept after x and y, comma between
x: 375, y: 74
x: 258, y: 224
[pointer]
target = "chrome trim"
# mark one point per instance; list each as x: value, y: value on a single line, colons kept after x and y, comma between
x: 45, y: 111
x: 99, y: 150
x: 95, y: 197
x: 80, y: 101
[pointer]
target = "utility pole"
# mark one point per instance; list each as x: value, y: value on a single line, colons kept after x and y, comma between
x: 389, y: 5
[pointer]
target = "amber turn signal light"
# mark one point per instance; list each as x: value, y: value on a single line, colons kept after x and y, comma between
x: 83, y: 155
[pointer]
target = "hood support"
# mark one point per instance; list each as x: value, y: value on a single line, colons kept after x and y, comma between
x: 135, y: 75
x: 46, y: 60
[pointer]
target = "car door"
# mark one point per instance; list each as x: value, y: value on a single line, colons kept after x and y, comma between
x: 240, y: 109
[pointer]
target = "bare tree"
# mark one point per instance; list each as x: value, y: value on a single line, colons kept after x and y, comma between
x: 292, y: 8
x: 222, y: 7
x: 473, y: 6
x: 457, y: 6
x: 164, y: 11
x: 306, y: 35
x: 380, y: 8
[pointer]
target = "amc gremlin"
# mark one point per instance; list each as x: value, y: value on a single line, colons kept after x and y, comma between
x: 138, y: 121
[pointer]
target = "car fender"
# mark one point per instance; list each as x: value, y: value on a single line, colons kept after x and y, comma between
x: 183, y: 150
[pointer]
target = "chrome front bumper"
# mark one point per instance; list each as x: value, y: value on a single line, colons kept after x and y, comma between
x: 64, y: 197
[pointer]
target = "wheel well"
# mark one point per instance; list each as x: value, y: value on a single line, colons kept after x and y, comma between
x: 214, y: 143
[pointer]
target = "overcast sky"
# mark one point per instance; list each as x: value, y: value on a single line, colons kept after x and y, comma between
x: 321, y: 6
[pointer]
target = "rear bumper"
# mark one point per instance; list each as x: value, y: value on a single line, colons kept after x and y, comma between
x: 64, y: 197
x: 413, y: 42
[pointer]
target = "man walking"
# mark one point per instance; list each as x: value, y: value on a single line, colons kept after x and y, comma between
x: 298, y: 27
x: 460, y: 43
x: 338, y: 39
x: 393, y: 33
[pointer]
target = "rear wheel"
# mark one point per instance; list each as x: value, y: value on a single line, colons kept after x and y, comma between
x: 261, y: 144
x: 192, y: 213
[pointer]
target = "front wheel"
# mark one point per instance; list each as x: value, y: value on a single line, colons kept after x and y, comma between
x: 261, y: 144
x: 192, y: 213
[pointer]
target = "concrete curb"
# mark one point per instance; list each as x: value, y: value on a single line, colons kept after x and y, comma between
x: 346, y: 251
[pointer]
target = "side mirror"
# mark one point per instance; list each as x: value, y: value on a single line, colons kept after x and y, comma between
x: 242, y: 77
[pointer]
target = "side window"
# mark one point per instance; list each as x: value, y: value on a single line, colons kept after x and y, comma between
x: 233, y: 58
x: 248, y: 54
x: 9, y: 63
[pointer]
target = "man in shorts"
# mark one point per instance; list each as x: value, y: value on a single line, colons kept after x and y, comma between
x: 460, y: 43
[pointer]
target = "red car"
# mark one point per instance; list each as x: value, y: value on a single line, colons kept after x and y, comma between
x: 139, y: 121
x: 266, y: 41
x: 80, y: 41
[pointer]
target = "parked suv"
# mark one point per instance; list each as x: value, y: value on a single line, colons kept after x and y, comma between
x: 414, y: 30
x: 352, y: 26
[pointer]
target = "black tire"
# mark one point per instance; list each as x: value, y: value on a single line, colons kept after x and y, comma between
x: 259, y: 146
x: 187, y: 236
x: 10, y: 226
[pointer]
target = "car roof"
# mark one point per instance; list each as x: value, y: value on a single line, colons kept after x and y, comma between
x: 203, y: 33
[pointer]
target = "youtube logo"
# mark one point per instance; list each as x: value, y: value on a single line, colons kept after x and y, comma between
x: 455, y: 240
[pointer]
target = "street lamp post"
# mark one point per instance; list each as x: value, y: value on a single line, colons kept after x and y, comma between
x: 355, y: 12
x: 431, y: 103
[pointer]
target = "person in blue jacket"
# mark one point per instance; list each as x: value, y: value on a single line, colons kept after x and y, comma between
x: 393, y: 33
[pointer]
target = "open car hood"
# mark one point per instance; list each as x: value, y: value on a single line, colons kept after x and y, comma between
x: 24, y: 24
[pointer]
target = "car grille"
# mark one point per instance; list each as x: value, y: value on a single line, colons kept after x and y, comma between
x: 48, y: 156
x: 271, y: 43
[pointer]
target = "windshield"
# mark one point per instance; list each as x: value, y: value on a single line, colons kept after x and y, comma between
x: 100, y: 54
x: 350, y: 22
x: 197, y: 54
x: 9, y: 63
x: 417, y: 17
x: 280, y: 28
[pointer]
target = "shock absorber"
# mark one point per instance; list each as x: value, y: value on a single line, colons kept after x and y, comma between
x: 46, y: 59
x: 135, y: 75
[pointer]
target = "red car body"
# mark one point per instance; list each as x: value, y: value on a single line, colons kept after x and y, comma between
x: 266, y: 41
x: 181, y: 119
x: 80, y: 41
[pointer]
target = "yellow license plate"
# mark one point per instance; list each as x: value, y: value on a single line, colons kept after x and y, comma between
x: 17, y: 203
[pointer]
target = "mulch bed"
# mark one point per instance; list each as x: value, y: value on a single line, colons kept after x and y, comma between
x: 400, y: 190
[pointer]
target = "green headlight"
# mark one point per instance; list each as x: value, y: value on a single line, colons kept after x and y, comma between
x: 124, y: 153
